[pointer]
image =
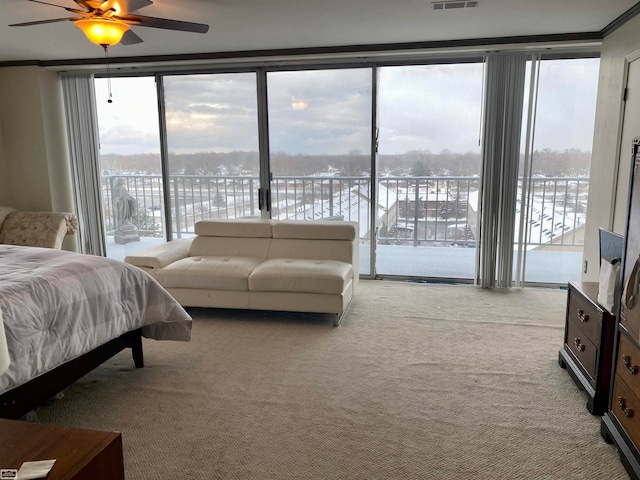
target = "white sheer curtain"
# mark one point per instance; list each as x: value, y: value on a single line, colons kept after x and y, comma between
x: 504, y: 93
x: 82, y: 125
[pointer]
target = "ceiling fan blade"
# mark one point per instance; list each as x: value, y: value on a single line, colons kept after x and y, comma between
x: 72, y: 10
x: 163, y: 23
x: 130, y: 38
x: 40, y: 22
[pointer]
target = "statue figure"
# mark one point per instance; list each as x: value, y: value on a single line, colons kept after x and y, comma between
x: 124, y: 203
x: 124, y: 206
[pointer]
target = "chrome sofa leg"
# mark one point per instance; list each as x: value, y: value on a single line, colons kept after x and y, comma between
x: 340, y: 316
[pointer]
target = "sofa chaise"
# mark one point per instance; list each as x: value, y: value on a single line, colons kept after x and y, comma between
x: 288, y: 265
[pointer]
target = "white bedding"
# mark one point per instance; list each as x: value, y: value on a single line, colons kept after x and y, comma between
x: 57, y: 305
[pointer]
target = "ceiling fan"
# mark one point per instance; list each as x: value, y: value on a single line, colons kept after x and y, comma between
x: 106, y: 22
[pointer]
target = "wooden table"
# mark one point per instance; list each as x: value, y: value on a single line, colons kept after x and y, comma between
x: 80, y: 454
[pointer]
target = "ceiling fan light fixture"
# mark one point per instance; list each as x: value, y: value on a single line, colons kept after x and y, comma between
x: 102, y: 31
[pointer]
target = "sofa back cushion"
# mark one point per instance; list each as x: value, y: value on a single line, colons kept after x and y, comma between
x: 317, y: 240
x: 204, y: 246
x: 315, y: 230
x: 237, y: 227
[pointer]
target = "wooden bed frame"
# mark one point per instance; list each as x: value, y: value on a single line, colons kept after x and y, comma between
x: 20, y: 400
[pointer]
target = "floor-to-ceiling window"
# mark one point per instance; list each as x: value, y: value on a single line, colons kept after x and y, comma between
x: 322, y: 126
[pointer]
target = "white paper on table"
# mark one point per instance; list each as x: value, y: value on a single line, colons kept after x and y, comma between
x: 33, y: 470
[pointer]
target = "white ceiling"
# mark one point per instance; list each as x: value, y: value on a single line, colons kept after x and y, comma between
x: 239, y: 25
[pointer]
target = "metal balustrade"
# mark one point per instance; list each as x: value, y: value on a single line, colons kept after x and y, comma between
x: 415, y: 211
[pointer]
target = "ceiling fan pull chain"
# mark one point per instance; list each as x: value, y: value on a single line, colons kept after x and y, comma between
x: 106, y: 56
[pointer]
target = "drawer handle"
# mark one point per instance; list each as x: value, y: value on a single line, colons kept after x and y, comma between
x: 579, y: 345
x: 633, y: 369
x: 584, y: 317
x: 627, y: 411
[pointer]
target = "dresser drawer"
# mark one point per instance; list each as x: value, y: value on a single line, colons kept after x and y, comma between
x: 626, y: 407
x: 630, y: 320
x: 581, y: 347
x: 586, y: 315
x: 628, y: 366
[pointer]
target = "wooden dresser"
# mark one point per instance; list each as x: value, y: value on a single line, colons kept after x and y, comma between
x: 588, y: 344
x: 621, y: 423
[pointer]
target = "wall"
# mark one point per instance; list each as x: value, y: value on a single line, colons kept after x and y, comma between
x: 34, y: 160
x: 608, y: 195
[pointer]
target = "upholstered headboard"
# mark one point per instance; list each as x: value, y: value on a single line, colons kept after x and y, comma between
x: 36, y: 229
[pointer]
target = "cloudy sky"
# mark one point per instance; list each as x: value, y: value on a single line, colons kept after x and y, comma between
x: 329, y: 111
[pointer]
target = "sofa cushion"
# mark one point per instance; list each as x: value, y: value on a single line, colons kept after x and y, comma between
x: 299, y: 275
x: 323, y: 230
x: 216, y: 273
x: 236, y: 227
x: 161, y: 255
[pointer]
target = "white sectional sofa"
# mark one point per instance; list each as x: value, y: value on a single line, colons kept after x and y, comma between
x: 289, y: 265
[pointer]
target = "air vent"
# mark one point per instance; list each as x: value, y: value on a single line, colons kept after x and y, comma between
x: 453, y: 4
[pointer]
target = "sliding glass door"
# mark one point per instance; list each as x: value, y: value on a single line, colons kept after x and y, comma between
x: 212, y: 148
x: 556, y: 180
x: 132, y: 189
x: 429, y: 169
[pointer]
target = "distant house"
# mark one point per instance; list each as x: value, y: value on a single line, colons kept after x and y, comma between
x: 550, y: 225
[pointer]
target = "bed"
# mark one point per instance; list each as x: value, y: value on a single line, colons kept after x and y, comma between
x: 65, y: 313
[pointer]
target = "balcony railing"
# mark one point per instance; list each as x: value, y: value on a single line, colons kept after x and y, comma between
x: 414, y: 211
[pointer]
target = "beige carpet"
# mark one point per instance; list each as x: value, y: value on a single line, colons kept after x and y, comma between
x: 419, y: 382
